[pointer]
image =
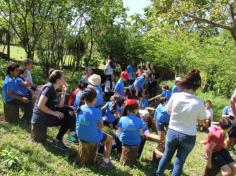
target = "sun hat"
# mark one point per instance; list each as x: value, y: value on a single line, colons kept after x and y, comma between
x: 177, y: 79
x: 94, y: 80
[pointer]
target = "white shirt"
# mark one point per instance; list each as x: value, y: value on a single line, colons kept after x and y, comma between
x: 209, y: 114
x: 107, y: 86
x: 185, y: 110
x: 230, y: 111
x: 108, y: 69
x: 28, y: 77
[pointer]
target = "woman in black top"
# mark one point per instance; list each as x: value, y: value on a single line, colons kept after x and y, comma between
x: 49, y: 109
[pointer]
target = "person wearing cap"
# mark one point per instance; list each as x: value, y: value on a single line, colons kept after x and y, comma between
x: 120, y: 86
x: 176, y: 86
x: 137, y: 87
x: 130, y: 126
x: 217, y: 155
x: 95, y: 82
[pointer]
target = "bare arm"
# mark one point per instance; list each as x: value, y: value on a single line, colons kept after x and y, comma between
x: 232, y: 105
x: 209, y: 154
x: 41, y: 104
x: 25, y: 84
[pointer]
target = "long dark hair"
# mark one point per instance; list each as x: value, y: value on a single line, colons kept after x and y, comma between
x: 54, y: 75
x: 192, y: 80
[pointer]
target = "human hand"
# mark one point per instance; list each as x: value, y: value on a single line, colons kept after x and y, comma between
x: 58, y: 114
x: 24, y: 99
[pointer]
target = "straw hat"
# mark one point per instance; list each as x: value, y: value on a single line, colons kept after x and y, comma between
x: 94, y: 80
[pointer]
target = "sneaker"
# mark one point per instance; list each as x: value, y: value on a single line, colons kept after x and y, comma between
x: 60, y: 145
x: 72, y: 139
x: 106, y: 165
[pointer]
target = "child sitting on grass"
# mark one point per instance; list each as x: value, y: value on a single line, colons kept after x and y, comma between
x: 89, y: 122
x: 112, y: 110
x: 217, y: 155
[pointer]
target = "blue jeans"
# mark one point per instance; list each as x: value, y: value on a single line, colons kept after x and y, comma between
x: 181, y: 143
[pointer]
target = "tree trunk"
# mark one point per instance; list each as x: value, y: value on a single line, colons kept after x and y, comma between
x: 8, y: 44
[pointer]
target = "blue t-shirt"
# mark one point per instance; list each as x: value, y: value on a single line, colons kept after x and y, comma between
x: 99, y: 101
x: 139, y: 81
x: 120, y: 87
x: 226, y: 110
x: 144, y: 103
x: 144, y: 126
x: 109, y: 115
x: 87, y: 121
x: 161, y: 114
x: 77, y: 99
x: 8, y: 85
x: 166, y: 93
x: 175, y: 89
x: 131, y: 72
x: 19, y: 89
x: 130, y: 127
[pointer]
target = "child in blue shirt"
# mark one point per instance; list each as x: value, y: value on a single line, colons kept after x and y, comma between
x: 162, y: 118
x: 166, y: 92
x: 226, y: 111
x: 112, y: 111
x: 130, y: 125
x: 22, y: 86
x: 137, y: 87
x: 88, y: 124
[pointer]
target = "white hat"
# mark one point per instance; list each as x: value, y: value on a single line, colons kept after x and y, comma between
x: 94, y: 80
x: 178, y: 79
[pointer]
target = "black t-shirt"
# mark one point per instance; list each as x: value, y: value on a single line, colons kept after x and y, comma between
x: 49, y: 91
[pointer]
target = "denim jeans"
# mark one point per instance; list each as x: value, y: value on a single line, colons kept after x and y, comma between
x: 176, y: 142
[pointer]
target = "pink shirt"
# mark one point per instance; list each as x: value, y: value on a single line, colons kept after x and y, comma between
x: 215, y: 135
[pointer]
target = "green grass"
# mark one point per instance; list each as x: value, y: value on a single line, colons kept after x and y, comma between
x: 37, y: 159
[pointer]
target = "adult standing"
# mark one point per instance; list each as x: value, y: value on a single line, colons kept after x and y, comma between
x: 153, y: 81
x: 11, y: 97
x: 185, y: 110
x: 131, y: 69
x: 49, y: 108
x: 108, y: 71
x: 88, y: 73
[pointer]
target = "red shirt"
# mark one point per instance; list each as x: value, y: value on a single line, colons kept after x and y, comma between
x: 72, y: 97
x: 215, y: 135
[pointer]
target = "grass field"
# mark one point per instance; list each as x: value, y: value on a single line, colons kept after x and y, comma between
x: 20, y: 157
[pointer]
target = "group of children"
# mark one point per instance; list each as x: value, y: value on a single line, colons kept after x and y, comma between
x: 125, y: 108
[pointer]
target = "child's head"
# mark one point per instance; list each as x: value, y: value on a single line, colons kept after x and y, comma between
x: 89, y: 71
x: 13, y: 69
x: 28, y: 63
x: 131, y: 107
x: 165, y: 87
x: 22, y: 71
x: 208, y: 104
x: 225, y: 124
x: 115, y: 98
x: 82, y: 85
x: 163, y: 100
x: 89, y: 96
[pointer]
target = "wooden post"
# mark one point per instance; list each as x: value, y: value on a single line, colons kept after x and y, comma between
x: 11, y: 113
x: 129, y: 155
x: 38, y: 133
x: 87, y: 153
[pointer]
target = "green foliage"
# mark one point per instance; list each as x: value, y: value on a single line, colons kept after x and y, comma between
x: 11, y: 158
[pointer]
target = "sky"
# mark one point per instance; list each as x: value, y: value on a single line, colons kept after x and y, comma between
x: 136, y: 6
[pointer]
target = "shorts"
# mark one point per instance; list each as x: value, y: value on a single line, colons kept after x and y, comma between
x: 161, y: 126
x: 104, y: 138
x: 232, y: 132
x: 221, y: 158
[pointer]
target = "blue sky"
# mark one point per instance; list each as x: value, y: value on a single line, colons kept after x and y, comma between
x: 136, y: 6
